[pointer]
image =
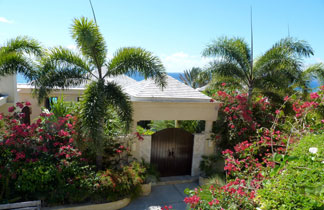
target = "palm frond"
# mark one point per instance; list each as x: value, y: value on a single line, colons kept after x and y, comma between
x: 315, y: 71
x: 16, y: 54
x: 195, y: 77
x: 23, y: 45
x: 132, y: 60
x: 60, y: 68
x: 90, y: 41
x: 297, y: 47
x: 12, y: 63
x: 92, y: 114
x: 234, y: 50
x: 228, y: 69
x: 278, y: 68
x: 120, y: 101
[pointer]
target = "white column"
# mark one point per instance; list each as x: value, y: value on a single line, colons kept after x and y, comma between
x: 134, y: 125
x: 208, y: 131
x: 208, y: 127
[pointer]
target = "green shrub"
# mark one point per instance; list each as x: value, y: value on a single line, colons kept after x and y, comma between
x: 192, y: 126
x: 42, y: 161
x: 144, y: 132
x: 300, y: 185
x: 211, y: 165
x: 61, y: 108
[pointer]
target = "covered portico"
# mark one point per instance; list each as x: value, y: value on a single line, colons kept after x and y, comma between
x: 175, y: 102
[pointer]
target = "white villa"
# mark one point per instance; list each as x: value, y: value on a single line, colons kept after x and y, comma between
x: 169, y: 148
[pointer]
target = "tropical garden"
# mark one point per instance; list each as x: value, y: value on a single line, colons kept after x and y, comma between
x: 70, y: 154
x: 269, y: 130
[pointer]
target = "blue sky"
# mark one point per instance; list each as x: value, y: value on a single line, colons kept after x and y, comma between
x: 175, y: 30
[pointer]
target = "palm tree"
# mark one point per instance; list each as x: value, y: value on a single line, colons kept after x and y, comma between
x: 275, y: 70
x: 195, y: 77
x: 62, y: 68
x: 315, y: 71
x: 16, y: 56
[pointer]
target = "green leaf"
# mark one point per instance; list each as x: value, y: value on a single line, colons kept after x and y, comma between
x: 187, y: 191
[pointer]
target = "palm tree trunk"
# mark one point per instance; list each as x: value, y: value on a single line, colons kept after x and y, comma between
x: 250, y: 94
x: 99, y: 161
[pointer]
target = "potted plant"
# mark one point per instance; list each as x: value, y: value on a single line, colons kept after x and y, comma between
x: 151, y: 176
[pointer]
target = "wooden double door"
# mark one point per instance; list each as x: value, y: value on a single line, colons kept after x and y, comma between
x: 171, y: 151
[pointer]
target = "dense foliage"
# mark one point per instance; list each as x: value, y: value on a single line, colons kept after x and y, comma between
x: 300, y: 185
x: 42, y: 161
x: 273, y: 166
x: 192, y: 126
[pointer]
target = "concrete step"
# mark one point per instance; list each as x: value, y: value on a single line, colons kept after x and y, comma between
x: 176, y: 180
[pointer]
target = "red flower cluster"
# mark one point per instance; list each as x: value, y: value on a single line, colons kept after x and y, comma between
x: 43, y: 139
x: 192, y: 201
x: 139, y: 136
x: 166, y: 207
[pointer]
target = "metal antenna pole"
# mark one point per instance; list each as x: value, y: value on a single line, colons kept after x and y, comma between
x: 94, y: 15
x: 288, y: 32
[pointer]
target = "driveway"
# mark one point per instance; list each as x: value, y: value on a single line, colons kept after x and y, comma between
x: 162, y: 195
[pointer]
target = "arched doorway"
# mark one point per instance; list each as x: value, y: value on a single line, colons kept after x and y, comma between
x: 171, y: 151
x: 27, y: 112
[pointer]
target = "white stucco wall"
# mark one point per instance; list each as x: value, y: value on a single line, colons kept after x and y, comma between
x: 25, y: 94
x: 8, y: 86
x: 142, y: 149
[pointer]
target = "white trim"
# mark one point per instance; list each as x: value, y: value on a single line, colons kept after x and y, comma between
x: 3, y: 100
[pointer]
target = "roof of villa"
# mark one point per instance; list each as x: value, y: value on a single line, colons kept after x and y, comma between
x: 147, y: 90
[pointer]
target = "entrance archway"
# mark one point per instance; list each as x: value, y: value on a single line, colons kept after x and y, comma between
x: 26, y: 111
x: 171, y: 151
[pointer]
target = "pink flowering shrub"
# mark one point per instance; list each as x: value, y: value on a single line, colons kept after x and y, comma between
x: 261, y: 153
x: 32, y: 155
x: 238, y: 121
x: 42, y: 161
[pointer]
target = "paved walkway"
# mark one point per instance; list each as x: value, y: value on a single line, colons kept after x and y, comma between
x: 162, y: 195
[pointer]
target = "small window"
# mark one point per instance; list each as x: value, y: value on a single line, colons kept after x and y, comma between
x: 49, y: 101
x: 26, y: 119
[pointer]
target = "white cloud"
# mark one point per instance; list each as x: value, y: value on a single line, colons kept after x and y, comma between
x: 180, y: 61
x: 4, y: 20
x: 72, y: 47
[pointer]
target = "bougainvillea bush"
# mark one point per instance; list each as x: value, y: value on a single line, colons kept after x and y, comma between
x: 268, y: 157
x: 41, y: 161
x: 238, y: 120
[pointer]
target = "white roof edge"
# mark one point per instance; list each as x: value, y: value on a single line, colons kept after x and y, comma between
x: 164, y: 99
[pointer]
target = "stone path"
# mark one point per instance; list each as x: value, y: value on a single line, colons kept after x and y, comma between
x: 162, y: 195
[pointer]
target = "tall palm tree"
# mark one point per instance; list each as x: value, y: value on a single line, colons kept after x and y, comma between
x: 195, y: 77
x: 276, y: 69
x: 62, y: 68
x: 16, y: 56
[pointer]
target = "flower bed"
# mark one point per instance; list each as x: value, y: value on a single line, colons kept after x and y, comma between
x: 271, y: 166
x: 41, y: 161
